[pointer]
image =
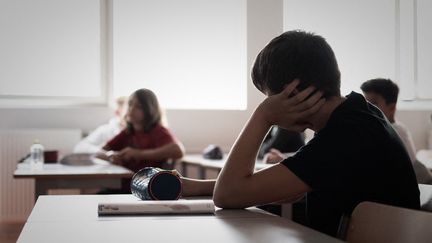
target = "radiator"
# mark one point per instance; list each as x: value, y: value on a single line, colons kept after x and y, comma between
x: 17, y: 195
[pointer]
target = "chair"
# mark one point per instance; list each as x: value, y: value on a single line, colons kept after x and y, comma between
x: 374, y: 222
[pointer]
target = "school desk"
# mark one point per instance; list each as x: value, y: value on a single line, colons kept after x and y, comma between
x: 74, y: 219
x: 60, y: 176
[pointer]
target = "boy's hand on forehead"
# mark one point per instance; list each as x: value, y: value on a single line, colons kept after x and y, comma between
x: 291, y: 108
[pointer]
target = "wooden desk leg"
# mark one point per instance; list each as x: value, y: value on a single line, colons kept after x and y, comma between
x: 202, y: 172
x: 184, y: 169
x: 41, y: 188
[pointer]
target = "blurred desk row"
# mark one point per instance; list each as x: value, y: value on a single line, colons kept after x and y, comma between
x: 98, y: 174
x: 101, y: 174
x: 207, y: 166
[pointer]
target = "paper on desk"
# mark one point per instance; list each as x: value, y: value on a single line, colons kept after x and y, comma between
x: 158, y: 207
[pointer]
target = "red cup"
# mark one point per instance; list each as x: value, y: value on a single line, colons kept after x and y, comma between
x: 51, y: 156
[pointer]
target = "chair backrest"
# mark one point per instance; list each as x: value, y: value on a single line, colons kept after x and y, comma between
x: 374, y: 222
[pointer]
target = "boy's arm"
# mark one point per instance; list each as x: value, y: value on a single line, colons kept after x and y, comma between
x: 237, y: 185
x: 193, y: 187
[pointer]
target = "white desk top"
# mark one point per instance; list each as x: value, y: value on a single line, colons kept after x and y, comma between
x: 198, y: 159
x: 84, y: 208
x: 425, y: 157
x: 74, y: 219
x: 60, y: 170
x: 426, y: 196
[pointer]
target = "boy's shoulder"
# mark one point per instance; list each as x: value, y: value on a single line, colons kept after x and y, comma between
x: 356, y: 114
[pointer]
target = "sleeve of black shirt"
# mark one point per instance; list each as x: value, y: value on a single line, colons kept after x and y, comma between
x: 328, y: 161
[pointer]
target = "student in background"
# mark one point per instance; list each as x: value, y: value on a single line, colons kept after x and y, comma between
x: 102, y: 134
x: 279, y: 141
x: 347, y: 162
x: 145, y: 141
x: 384, y: 94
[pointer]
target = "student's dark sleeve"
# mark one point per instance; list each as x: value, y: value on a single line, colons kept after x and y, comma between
x: 287, y: 141
x: 327, y: 161
x: 283, y: 140
x: 118, y: 142
x: 162, y: 136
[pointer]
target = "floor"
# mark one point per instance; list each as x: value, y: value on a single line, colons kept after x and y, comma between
x: 9, y: 231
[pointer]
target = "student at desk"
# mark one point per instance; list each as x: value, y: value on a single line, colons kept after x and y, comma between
x: 354, y: 156
x: 145, y: 142
x: 273, y: 149
x: 102, y: 134
x: 279, y: 141
x: 384, y: 94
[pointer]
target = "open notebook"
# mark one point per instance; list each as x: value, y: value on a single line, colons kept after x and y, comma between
x: 157, y: 207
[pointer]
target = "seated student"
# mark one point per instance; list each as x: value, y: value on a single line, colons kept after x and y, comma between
x: 279, y: 141
x: 102, y: 134
x: 145, y: 142
x: 384, y: 94
x: 354, y: 156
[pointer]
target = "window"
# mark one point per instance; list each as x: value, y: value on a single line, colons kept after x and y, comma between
x: 191, y: 53
x: 424, y: 49
x: 361, y: 33
x: 388, y: 38
x: 50, y: 49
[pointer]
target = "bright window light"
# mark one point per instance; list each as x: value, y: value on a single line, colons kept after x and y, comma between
x: 191, y: 53
x: 50, y: 49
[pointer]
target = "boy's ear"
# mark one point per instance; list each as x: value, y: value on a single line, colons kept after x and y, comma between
x: 392, y: 107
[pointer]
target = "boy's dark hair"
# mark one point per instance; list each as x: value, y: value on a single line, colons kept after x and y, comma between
x: 150, y: 107
x: 297, y: 54
x: 383, y: 87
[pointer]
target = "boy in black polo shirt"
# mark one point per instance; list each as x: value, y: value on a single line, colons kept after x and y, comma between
x: 355, y: 155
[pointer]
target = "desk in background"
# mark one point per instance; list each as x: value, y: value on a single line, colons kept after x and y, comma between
x: 75, y: 219
x: 425, y: 157
x: 204, y: 165
x: 425, y: 197
x: 59, y: 176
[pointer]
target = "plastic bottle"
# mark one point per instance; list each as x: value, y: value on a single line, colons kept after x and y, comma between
x: 36, y: 155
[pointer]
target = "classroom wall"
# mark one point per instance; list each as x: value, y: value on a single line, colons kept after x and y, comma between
x: 418, y: 122
x: 197, y: 128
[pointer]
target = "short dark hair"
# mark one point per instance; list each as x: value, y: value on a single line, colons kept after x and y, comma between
x: 150, y: 107
x: 297, y: 54
x: 383, y: 87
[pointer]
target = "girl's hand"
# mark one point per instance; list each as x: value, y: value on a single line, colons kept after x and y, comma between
x: 291, y: 109
x: 129, y: 153
x: 273, y: 156
x: 113, y: 157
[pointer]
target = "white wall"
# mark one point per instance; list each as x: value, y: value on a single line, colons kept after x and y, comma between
x: 418, y: 123
x: 196, y: 129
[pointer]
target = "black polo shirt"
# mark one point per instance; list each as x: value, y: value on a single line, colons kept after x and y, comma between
x: 356, y: 157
